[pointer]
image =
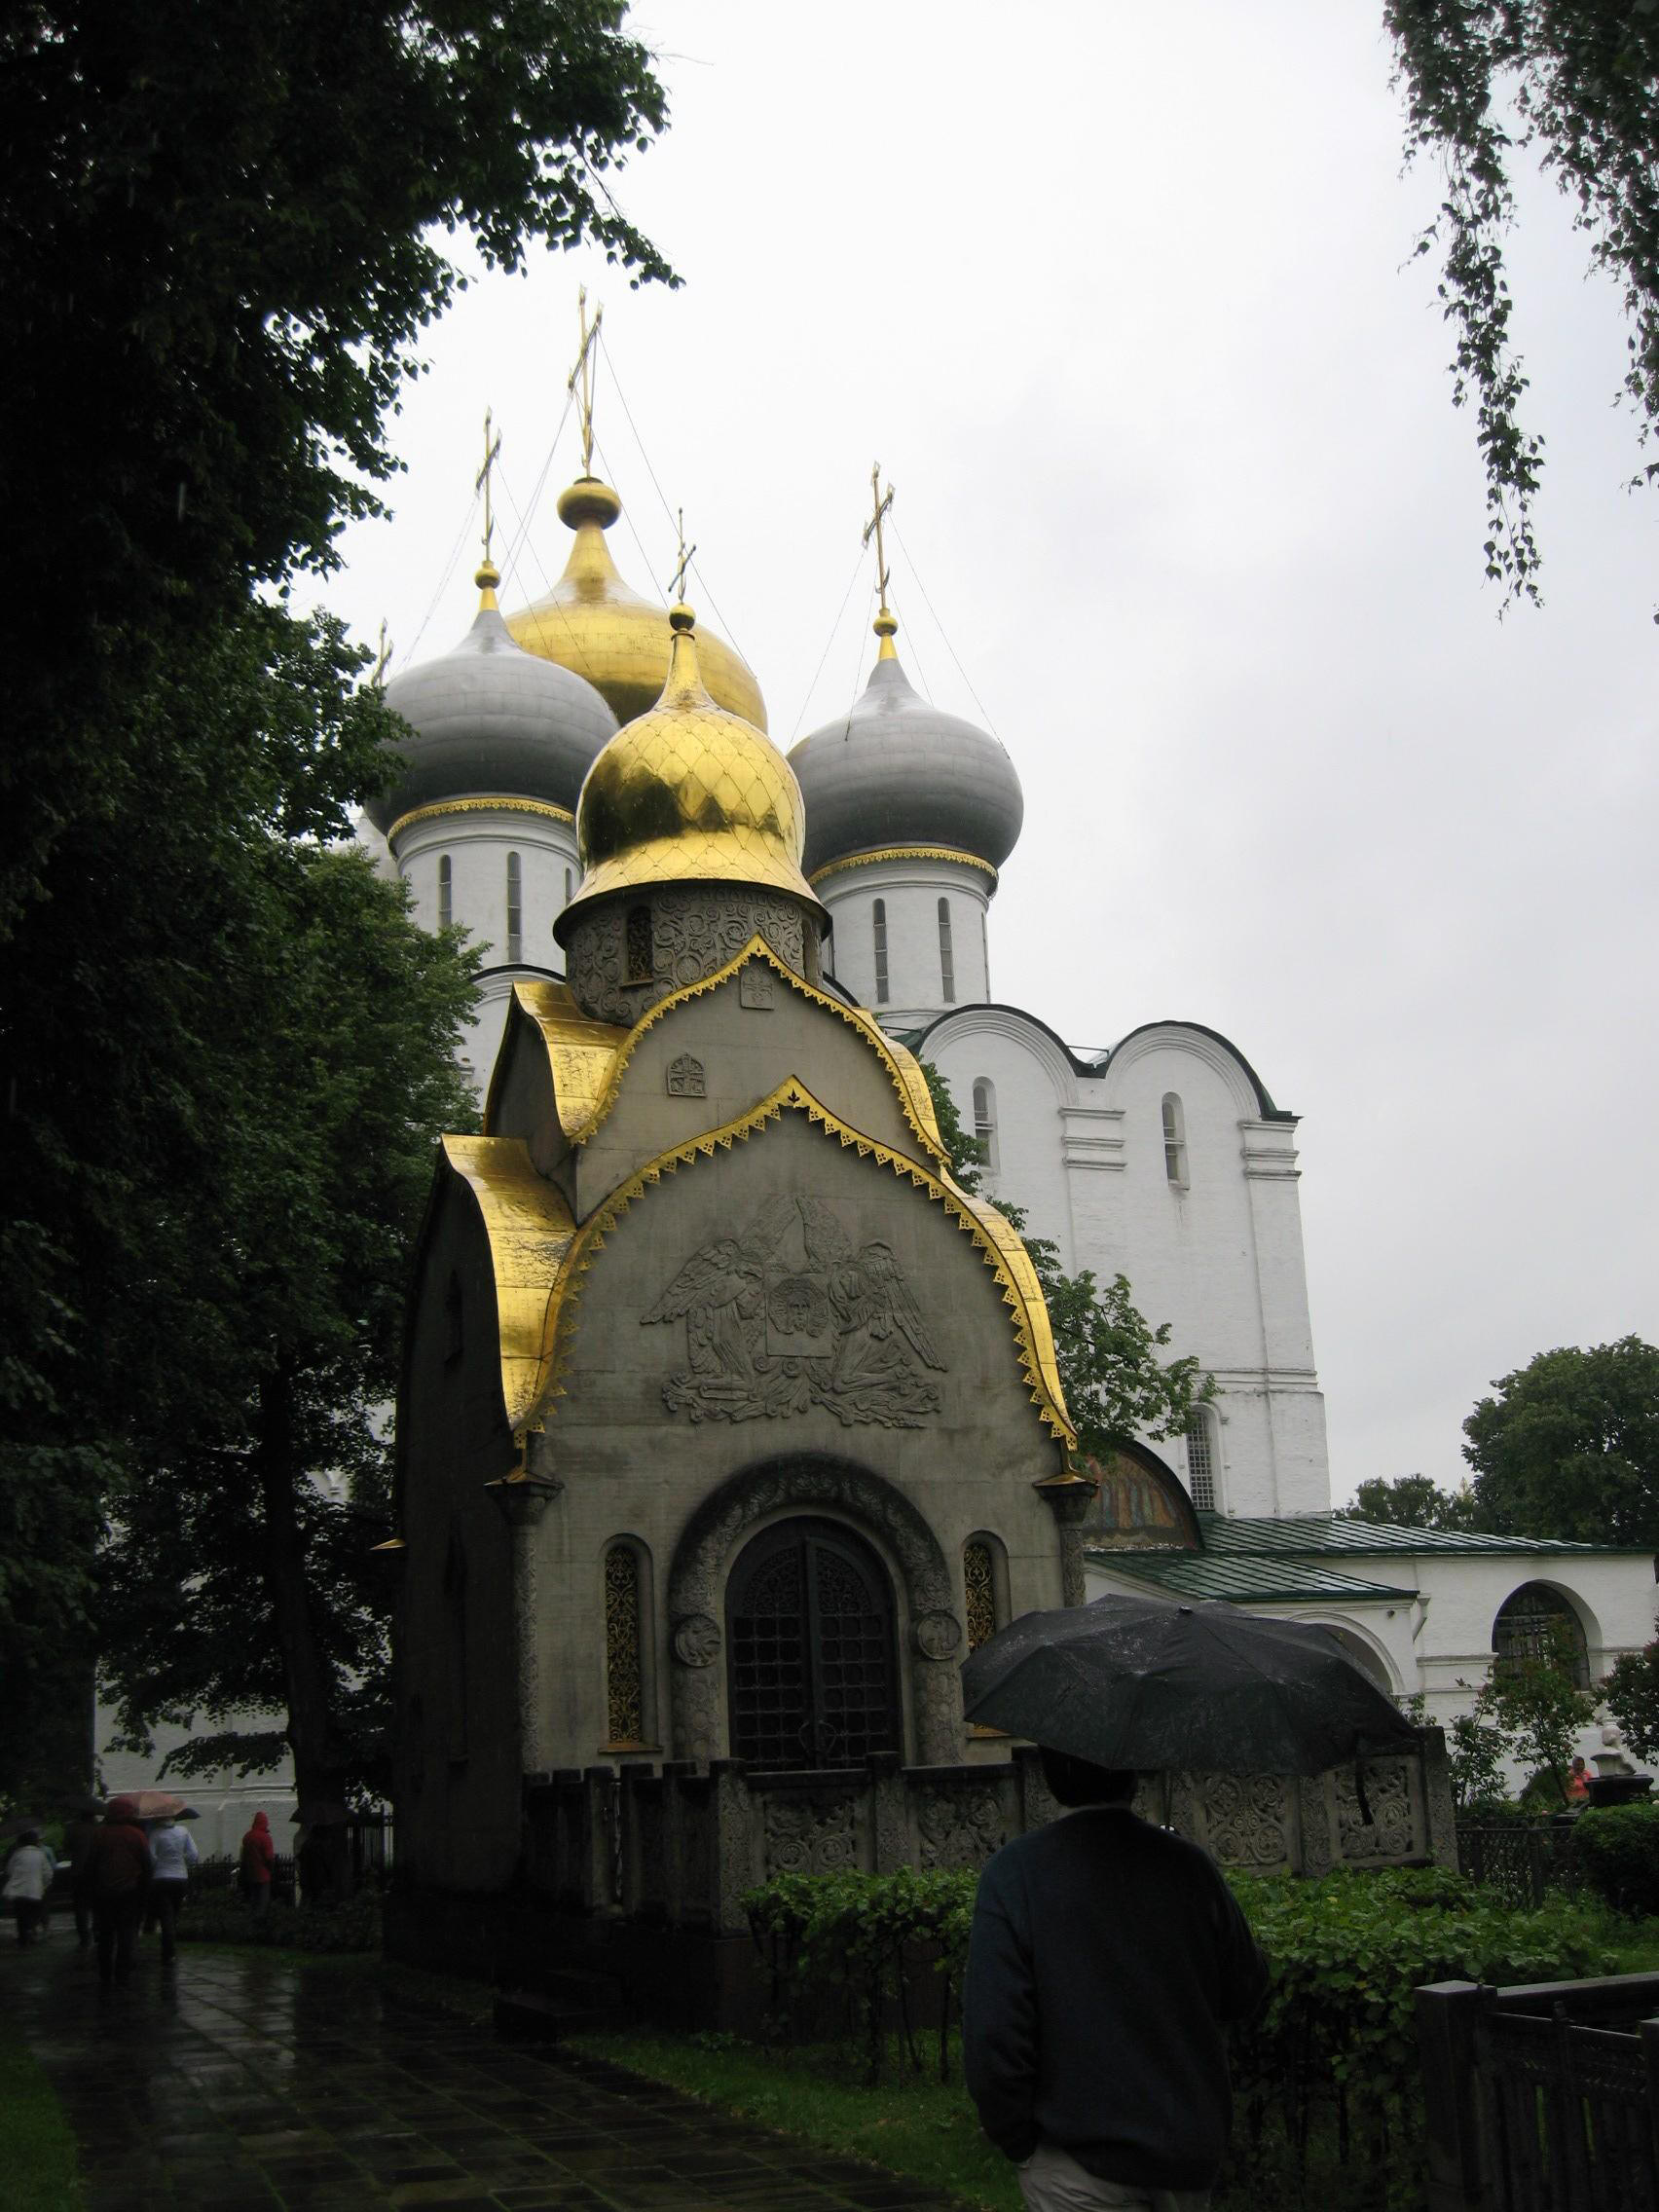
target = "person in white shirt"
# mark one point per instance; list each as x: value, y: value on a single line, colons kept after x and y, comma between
x: 173, y: 1849
x: 28, y: 1877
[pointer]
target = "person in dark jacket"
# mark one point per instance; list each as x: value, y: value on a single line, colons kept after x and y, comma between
x: 1106, y: 1957
x: 119, y: 1868
x: 257, y: 1863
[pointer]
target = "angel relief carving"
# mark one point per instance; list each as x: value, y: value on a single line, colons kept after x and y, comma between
x: 788, y: 1315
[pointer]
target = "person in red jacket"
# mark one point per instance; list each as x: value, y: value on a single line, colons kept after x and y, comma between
x: 258, y: 1858
x: 119, y: 1867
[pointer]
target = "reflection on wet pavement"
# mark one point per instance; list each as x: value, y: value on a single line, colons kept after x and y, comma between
x: 239, y: 2081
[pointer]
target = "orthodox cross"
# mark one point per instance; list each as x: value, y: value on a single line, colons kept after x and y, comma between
x: 684, y: 562
x: 883, y: 502
x: 584, y: 371
x: 481, y: 482
x: 383, y: 655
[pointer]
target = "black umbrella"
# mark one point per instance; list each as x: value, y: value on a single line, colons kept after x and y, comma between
x: 1146, y: 1684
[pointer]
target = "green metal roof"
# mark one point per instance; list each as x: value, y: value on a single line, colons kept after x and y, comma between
x: 1241, y: 1579
x: 1315, y: 1535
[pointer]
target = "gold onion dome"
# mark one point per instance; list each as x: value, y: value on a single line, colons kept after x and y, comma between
x: 490, y: 721
x: 592, y: 623
x: 894, y: 771
x: 689, y: 792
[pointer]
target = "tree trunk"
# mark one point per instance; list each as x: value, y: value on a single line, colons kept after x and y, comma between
x: 319, y: 1769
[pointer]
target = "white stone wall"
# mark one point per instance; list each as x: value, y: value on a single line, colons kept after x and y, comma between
x: 1217, y: 1254
x: 477, y: 843
x: 911, y: 891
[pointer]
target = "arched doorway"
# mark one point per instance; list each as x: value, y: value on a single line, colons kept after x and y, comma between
x: 1539, y: 1623
x: 811, y: 1671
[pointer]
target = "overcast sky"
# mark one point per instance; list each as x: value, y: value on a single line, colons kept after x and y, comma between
x: 1126, y: 310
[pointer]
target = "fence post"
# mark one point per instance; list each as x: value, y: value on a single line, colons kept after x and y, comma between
x: 1447, y: 2014
x: 1649, y: 2032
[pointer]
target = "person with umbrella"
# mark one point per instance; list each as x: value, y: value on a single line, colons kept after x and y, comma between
x: 173, y: 1847
x: 1107, y: 1956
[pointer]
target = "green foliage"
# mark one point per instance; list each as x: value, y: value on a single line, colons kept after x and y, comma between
x: 1476, y: 1751
x: 41, y: 2163
x: 1569, y: 1447
x: 1619, y: 1848
x: 1577, y: 84
x: 1631, y: 1693
x: 1117, y: 1387
x: 1532, y: 1712
x: 219, y: 1917
x: 1412, y: 1501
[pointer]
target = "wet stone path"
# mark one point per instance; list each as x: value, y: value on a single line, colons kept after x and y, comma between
x: 238, y: 2083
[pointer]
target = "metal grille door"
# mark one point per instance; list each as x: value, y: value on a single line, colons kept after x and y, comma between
x: 810, y: 1631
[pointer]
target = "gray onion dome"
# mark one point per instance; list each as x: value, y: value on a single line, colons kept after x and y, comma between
x: 490, y: 720
x: 894, y: 771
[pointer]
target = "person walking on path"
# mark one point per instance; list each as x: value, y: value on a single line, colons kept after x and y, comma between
x: 78, y: 1838
x: 1106, y: 1957
x: 119, y: 1868
x: 173, y: 1847
x: 28, y: 1877
x: 258, y: 1858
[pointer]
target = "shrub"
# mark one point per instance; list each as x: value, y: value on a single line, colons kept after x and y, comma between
x: 1619, y: 1848
x: 223, y: 1918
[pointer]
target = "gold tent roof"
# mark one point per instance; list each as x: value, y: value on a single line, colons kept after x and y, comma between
x: 688, y: 793
x: 594, y: 625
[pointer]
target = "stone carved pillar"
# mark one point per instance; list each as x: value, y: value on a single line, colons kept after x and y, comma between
x: 524, y: 1499
x: 734, y: 1870
x: 694, y: 1644
x: 889, y: 1820
x: 1068, y: 1499
x: 1037, y: 1805
x: 937, y: 1639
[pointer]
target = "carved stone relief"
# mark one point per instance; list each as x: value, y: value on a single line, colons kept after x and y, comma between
x: 697, y: 1641
x: 787, y: 1316
x: 959, y: 1828
x: 937, y: 1636
x: 1390, y: 1831
x: 685, y: 1078
x: 755, y: 986
x: 1245, y: 1816
x: 695, y: 929
x: 809, y: 1836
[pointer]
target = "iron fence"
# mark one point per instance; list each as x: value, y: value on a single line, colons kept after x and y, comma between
x: 1523, y: 1862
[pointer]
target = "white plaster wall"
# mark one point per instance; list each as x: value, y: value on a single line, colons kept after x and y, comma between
x: 226, y: 1804
x: 911, y: 890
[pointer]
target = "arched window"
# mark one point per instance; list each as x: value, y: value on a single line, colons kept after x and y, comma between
x: 985, y: 1123
x: 515, y: 908
x: 446, y: 891
x: 1174, y: 1141
x: 984, y: 1586
x: 1537, y: 1622
x: 624, y: 1648
x: 570, y: 885
x: 812, y: 1672
x: 454, y: 1627
x: 639, y: 947
x: 946, y: 958
x: 1201, y: 1457
x: 879, y: 915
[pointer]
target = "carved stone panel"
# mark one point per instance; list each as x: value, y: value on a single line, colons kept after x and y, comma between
x: 1247, y: 1818
x: 938, y: 1634
x: 1391, y: 1830
x: 695, y: 930
x: 809, y: 1836
x: 697, y: 1641
x: 788, y: 1315
x: 959, y: 1828
x: 755, y: 986
x: 685, y: 1078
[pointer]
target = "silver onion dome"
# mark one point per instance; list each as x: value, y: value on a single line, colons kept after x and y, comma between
x: 894, y: 771
x: 490, y: 720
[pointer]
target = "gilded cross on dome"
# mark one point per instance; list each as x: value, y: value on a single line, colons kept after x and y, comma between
x: 583, y: 371
x: 481, y: 482
x: 883, y: 503
x: 684, y: 560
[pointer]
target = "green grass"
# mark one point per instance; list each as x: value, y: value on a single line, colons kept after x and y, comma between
x: 41, y: 2165
x: 924, y: 2129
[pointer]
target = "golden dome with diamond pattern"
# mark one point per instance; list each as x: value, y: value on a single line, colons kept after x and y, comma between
x: 594, y: 625
x: 688, y: 793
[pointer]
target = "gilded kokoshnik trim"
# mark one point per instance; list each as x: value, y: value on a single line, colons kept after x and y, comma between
x: 878, y: 853
x: 528, y: 1229
x: 997, y: 1243
x: 443, y: 807
x: 561, y: 1033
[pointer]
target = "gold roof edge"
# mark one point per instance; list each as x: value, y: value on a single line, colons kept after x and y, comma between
x: 581, y: 1052
x: 992, y: 1235
x: 877, y: 852
x: 530, y: 1230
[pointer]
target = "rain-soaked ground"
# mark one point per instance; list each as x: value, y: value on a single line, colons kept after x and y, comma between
x: 237, y: 2081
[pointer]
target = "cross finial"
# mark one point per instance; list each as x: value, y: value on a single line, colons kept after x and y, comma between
x: 383, y: 654
x: 583, y: 371
x: 882, y: 502
x: 685, y: 560
x: 481, y: 482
